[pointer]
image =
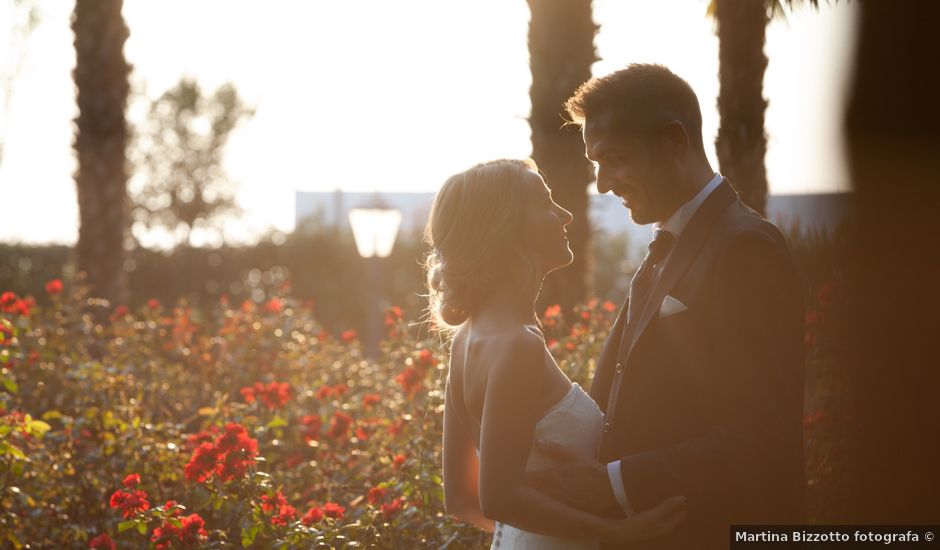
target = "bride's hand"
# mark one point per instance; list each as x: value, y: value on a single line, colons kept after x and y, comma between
x: 649, y: 524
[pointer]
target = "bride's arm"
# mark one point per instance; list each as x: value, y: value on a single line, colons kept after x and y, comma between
x: 461, y: 469
x: 510, y: 412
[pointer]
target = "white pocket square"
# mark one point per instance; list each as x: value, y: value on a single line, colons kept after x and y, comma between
x: 671, y: 306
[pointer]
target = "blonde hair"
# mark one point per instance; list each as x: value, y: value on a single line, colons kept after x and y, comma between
x: 476, y: 238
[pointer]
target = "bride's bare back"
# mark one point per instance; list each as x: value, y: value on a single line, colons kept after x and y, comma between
x: 470, y: 366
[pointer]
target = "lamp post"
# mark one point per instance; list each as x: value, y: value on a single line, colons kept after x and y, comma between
x: 374, y: 230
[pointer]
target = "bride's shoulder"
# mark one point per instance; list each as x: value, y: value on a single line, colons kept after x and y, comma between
x: 514, y: 347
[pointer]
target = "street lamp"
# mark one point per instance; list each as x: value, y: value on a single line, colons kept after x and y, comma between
x: 374, y: 230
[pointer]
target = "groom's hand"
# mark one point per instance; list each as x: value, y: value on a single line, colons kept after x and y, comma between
x: 578, y: 481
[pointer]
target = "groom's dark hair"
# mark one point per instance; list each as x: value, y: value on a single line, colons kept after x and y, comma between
x: 641, y: 97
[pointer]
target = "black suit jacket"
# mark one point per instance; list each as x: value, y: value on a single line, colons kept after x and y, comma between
x: 708, y: 402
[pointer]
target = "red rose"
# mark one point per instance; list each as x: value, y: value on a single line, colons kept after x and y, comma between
x: 324, y: 392
x: 411, y: 380
x: 333, y: 510
x: 239, y: 452
x: 285, y: 514
x: 339, y: 425
x: 11, y: 304
x: 119, y: 312
x: 270, y: 504
x: 172, y: 507
x: 311, y: 427
x: 361, y: 433
x: 426, y: 358
x: 101, y: 542
x: 370, y: 399
x: 272, y: 396
x: 190, y: 532
x: 248, y: 394
x: 312, y: 516
x: 376, y: 494
x: 236, y: 438
x: 390, y: 509
x: 202, y: 463
x: 193, y: 529
x: 274, y: 305
x: 397, y: 427
x: 392, y: 315
x: 130, y: 502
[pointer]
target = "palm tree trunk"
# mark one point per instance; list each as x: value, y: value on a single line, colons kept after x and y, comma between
x: 101, y: 79
x: 561, y: 51
x: 741, y: 142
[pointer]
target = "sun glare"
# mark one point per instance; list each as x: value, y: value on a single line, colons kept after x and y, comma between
x: 364, y: 95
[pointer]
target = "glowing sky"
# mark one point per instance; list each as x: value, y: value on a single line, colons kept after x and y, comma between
x: 371, y: 94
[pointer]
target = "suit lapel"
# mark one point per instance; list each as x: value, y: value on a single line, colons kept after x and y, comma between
x: 600, y: 385
x: 686, y: 249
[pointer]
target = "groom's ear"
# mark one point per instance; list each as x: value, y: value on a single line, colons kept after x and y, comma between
x: 675, y: 138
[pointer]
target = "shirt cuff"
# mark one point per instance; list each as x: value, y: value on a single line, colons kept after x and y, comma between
x: 616, y: 483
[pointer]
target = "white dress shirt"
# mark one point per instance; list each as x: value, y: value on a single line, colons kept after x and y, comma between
x: 675, y: 224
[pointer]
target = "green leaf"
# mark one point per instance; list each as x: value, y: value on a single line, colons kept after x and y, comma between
x: 277, y: 422
x: 8, y: 448
x: 51, y: 415
x: 10, y: 385
x: 248, y: 536
x: 125, y: 525
x: 142, y: 528
x: 38, y: 427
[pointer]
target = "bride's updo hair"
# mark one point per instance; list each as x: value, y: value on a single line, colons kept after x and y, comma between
x: 476, y: 238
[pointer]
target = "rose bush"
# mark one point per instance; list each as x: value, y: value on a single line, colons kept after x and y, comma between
x: 243, y: 425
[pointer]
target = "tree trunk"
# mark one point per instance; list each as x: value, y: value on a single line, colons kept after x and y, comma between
x: 890, y: 348
x: 741, y: 141
x: 561, y: 50
x: 101, y: 79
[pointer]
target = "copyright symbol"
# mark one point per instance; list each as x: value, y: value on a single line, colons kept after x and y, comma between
x: 928, y: 536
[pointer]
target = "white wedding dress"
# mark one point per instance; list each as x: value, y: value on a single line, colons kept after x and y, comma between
x: 576, y: 422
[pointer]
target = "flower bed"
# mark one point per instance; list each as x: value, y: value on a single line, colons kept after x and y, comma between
x: 243, y: 425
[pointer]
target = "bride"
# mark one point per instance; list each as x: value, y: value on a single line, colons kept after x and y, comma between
x: 495, y: 233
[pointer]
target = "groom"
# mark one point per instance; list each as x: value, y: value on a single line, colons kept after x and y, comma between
x: 701, y: 377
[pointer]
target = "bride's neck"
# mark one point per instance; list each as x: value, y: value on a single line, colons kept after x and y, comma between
x: 508, y: 302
